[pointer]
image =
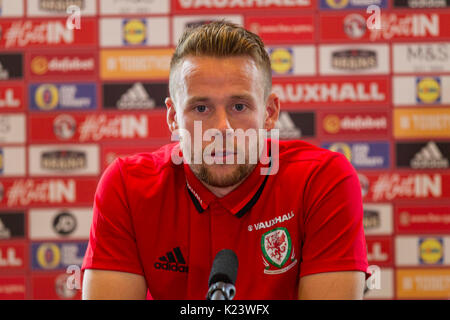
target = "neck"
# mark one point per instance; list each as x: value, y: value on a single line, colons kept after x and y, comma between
x: 221, y: 192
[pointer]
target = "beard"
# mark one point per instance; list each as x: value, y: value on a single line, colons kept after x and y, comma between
x: 222, y: 175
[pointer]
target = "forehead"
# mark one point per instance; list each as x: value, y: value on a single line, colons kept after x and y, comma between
x: 212, y: 73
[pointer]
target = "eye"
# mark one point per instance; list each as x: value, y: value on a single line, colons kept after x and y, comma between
x: 200, y: 108
x: 239, y: 107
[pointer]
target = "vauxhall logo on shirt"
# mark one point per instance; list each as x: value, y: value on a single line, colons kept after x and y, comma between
x: 270, y: 223
x: 278, y: 254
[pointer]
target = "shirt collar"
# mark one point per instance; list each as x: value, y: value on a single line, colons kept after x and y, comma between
x: 238, y: 202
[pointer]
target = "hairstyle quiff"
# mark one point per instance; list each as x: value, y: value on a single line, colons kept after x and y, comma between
x: 222, y: 39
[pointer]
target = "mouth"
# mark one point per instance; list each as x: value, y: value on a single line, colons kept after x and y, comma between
x: 223, y: 153
x: 221, y: 157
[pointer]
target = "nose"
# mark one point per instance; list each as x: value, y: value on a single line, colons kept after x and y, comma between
x: 222, y: 122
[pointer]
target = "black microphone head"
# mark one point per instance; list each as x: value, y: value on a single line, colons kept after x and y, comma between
x: 224, y: 268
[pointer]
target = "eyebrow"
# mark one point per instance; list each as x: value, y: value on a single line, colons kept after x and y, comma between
x: 196, y: 99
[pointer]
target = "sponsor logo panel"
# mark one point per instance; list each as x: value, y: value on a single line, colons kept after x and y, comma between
x: 386, y: 290
x: 65, y: 96
x: 228, y: 6
x: 64, y: 160
x: 11, y: 97
x: 117, y: 32
x: 335, y: 124
x: 294, y: 125
x: 418, y: 4
x: 60, y: 224
x: 16, y: 193
x: 380, y: 251
x: 12, y: 128
x: 11, y: 9
x: 378, y: 219
x: 12, y: 225
x: 394, y: 26
x: 292, y: 60
x: 282, y: 29
x: 99, y: 127
x: 57, y: 255
x: 13, y: 256
x: 379, y: 187
x: 298, y: 92
x: 46, y: 33
x: 11, y: 65
x: 423, y: 155
x: 426, y: 90
x: 422, y: 219
x: 363, y: 155
x: 114, y: 7
x: 132, y: 96
x: 12, y: 287
x: 421, y: 57
x: 426, y: 250
x: 421, y: 122
x: 350, y: 4
x: 354, y: 59
x: 112, y: 152
x: 429, y: 90
x: 57, y: 65
x: 135, y: 64
x: 12, y: 161
x: 54, y: 286
x: 182, y: 22
x: 39, y: 8
x: 430, y: 283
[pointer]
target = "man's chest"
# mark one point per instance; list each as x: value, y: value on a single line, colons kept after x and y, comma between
x: 177, y: 248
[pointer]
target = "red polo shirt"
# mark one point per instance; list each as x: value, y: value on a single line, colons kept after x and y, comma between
x: 155, y: 218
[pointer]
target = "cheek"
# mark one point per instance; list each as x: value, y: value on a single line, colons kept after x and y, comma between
x: 257, y: 120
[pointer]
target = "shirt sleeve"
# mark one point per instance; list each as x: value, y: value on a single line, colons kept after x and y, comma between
x: 112, y: 241
x: 333, y: 233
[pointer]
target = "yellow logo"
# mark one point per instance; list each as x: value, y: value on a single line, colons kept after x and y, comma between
x: 331, y: 124
x: 39, y: 65
x: 281, y: 60
x: 428, y: 90
x: 46, y: 97
x: 48, y: 255
x: 342, y: 148
x: 134, y: 31
x: 1, y: 160
x: 337, y: 4
x: 430, y: 251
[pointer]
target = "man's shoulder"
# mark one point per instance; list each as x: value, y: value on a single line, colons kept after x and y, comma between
x: 300, y: 156
x: 302, y: 152
x: 148, y: 164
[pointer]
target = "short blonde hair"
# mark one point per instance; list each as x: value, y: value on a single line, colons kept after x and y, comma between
x: 221, y: 39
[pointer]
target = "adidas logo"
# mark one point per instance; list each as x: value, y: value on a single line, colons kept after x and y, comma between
x: 429, y: 157
x: 136, y: 98
x: 287, y: 127
x: 5, y: 233
x: 4, y: 74
x: 172, y: 261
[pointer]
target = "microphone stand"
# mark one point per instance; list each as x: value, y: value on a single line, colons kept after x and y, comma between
x: 221, y: 291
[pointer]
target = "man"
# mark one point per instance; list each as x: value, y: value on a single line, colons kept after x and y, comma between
x: 158, y: 223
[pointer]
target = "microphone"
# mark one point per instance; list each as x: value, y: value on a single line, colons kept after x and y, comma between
x: 223, y: 276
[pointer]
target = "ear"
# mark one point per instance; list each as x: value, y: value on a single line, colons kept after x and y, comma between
x: 171, y: 114
x: 272, y: 111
